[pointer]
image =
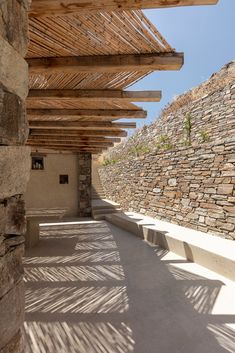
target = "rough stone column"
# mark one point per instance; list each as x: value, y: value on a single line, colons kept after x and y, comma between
x: 14, y: 169
x: 84, y: 184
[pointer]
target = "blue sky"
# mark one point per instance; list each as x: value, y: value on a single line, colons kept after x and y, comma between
x: 206, y: 35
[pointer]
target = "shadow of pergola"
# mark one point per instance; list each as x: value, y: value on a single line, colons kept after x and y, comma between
x: 92, y: 288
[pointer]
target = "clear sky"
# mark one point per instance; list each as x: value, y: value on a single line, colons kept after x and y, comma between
x: 206, y: 35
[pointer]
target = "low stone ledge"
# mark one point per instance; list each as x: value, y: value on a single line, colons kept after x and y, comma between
x: 13, y: 70
x: 15, y: 161
x: 12, y: 314
x: 210, y: 251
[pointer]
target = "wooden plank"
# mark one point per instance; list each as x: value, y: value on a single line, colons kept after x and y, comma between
x: 71, y: 149
x: 96, y: 95
x: 57, y: 7
x: 69, y: 143
x: 107, y: 63
x: 81, y: 125
x: 41, y: 144
x: 59, y: 138
x: 51, y: 132
x: 87, y: 113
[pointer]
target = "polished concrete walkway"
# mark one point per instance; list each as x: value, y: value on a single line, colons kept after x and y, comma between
x: 93, y: 288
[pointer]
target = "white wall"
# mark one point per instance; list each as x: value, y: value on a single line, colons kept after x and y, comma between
x: 44, y: 189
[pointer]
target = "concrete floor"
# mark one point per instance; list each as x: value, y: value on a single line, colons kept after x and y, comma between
x: 93, y: 288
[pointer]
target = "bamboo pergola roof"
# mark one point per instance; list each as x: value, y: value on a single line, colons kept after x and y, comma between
x: 79, y: 66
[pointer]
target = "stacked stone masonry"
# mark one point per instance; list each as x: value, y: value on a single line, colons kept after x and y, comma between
x: 14, y: 169
x: 84, y: 184
x: 211, y: 112
x: 193, y: 186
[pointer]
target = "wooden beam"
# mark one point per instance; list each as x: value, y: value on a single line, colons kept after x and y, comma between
x: 40, y: 8
x: 81, y: 125
x: 87, y: 113
x: 95, y: 95
x: 68, y: 147
x: 71, y: 149
x: 107, y: 63
x: 69, y: 143
x: 51, y: 132
x: 59, y: 138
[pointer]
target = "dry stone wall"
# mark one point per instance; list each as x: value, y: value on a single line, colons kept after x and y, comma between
x: 211, y: 110
x: 193, y: 185
x: 14, y: 169
x: 84, y: 184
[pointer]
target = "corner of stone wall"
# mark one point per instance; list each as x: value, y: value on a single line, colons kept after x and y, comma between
x: 84, y: 184
x: 14, y: 169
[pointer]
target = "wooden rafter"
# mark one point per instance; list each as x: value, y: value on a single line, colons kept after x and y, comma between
x: 60, y: 132
x: 59, y: 7
x: 87, y: 113
x: 70, y: 149
x: 61, y: 138
x: 107, y: 63
x: 96, y: 95
x: 74, y: 144
x: 81, y: 125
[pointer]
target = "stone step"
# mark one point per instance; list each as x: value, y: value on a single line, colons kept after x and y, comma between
x: 103, y: 207
x: 105, y: 211
x: 104, y: 203
x: 101, y: 196
x: 101, y: 216
x: 210, y: 251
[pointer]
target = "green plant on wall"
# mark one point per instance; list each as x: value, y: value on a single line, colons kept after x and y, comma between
x: 109, y: 161
x: 164, y: 143
x: 187, y: 127
x: 203, y: 136
x: 139, y: 150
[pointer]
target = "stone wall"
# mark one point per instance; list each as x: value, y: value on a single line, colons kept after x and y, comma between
x: 84, y: 184
x: 192, y: 185
x: 211, y: 109
x: 14, y: 169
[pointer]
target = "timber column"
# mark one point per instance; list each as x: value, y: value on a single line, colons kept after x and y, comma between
x: 14, y: 169
x: 84, y: 184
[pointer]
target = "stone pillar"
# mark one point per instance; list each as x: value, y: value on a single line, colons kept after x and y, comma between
x: 14, y: 169
x: 84, y: 184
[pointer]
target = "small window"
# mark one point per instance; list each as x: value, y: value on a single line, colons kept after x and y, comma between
x: 64, y: 179
x: 37, y: 163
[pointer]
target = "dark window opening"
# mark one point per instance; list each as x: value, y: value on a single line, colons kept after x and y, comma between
x: 64, y: 179
x: 37, y: 163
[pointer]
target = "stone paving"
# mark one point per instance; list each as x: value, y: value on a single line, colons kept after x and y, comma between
x: 93, y: 288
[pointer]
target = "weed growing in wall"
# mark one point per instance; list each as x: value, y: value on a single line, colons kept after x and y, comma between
x: 164, y: 143
x: 203, y: 136
x: 139, y: 150
x: 109, y: 161
x: 187, y: 127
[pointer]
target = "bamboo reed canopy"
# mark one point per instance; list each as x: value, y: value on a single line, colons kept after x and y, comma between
x: 80, y: 67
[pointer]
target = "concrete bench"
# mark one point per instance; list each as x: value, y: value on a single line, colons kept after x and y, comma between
x: 36, y: 216
x: 212, y: 252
